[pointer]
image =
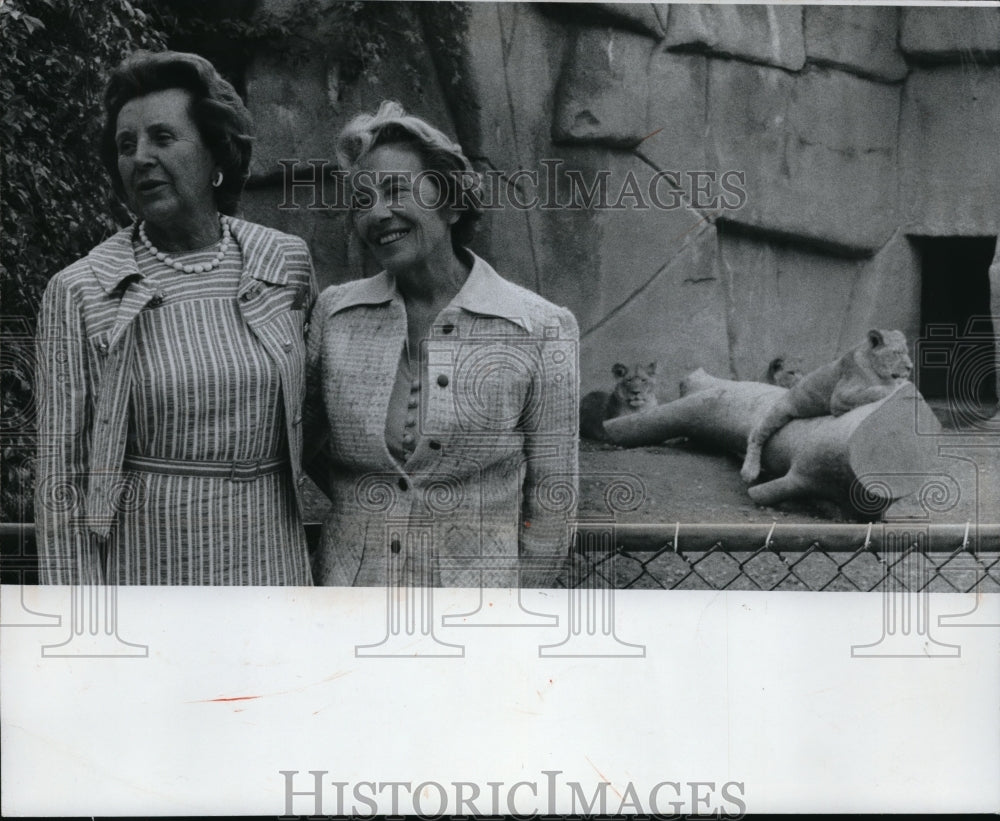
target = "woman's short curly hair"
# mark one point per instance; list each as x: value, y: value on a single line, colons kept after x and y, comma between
x: 223, y: 122
x: 440, y: 155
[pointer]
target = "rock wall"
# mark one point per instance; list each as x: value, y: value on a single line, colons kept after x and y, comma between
x: 846, y: 131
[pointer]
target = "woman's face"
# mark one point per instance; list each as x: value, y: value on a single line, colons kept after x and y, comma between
x: 395, y: 213
x: 165, y: 168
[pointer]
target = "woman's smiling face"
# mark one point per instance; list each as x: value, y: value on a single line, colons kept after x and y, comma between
x: 395, y: 213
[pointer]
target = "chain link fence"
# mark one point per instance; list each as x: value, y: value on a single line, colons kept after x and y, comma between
x: 841, y: 557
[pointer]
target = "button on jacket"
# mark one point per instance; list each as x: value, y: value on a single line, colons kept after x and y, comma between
x: 85, y: 348
x: 488, y: 494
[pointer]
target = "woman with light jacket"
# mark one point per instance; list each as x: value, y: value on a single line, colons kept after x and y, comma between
x: 444, y: 397
x: 171, y: 358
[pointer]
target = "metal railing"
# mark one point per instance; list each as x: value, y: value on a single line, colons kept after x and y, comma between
x: 958, y: 558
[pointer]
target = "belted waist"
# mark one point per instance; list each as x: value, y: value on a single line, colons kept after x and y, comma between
x: 239, y: 471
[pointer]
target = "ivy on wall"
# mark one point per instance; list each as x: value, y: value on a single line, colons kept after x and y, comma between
x: 56, y: 204
x: 57, y: 201
x: 52, y: 72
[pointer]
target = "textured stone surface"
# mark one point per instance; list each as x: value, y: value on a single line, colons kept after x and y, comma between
x: 949, y: 150
x: 818, y: 149
x: 291, y: 110
x: 591, y: 261
x: 783, y: 302
x: 855, y: 38
x: 294, y: 121
x: 594, y: 260
x: 960, y: 35
x: 675, y: 119
x: 642, y: 16
x: 677, y: 319
x: 662, y: 11
x: 602, y: 93
x: 515, y: 68
x: 886, y: 293
x: 761, y: 34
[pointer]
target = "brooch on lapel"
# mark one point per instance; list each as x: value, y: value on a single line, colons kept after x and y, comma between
x: 252, y: 292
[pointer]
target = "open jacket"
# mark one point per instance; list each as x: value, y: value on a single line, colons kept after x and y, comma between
x: 85, y: 348
x: 488, y: 495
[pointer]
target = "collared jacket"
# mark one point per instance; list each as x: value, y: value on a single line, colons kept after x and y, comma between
x: 85, y: 349
x: 488, y: 495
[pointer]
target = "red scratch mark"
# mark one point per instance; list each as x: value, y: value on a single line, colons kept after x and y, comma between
x: 224, y: 699
x: 604, y: 778
x: 341, y: 674
x: 650, y: 135
x: 705, y: 218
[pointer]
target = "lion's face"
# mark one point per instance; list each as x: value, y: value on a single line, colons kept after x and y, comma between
x: 636, y: 386
x: 886, y: 353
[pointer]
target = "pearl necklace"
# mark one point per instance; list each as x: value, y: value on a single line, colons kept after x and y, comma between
x: 201, y: 267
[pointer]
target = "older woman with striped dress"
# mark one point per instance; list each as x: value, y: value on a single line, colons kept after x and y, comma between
x: 171, y: 358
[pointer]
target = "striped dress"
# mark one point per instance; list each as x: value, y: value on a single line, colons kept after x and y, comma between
x: 204, y: 389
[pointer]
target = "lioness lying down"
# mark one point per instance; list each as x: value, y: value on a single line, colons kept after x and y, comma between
x: 869, y: 372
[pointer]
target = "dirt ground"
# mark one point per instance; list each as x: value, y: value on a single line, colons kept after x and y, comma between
x: 677, y: 482
x: 686, y: 483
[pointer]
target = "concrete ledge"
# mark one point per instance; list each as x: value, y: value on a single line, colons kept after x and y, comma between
x: 965, y: 35
x: 859, y: 39
x: 771, y: 35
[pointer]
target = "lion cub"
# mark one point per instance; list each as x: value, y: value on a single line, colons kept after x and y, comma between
x: 869, y: 372
x: 634, y: 391
x: 782, y: 372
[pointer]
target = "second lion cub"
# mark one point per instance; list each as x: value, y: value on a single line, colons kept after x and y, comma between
x: 634, y: 391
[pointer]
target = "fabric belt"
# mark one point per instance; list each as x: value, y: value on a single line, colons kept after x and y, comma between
x: 244, y: 471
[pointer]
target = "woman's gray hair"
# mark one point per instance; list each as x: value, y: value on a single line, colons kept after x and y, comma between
x: 451, y: 168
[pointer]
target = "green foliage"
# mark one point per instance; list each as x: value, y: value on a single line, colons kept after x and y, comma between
x: 231, y: 32
x: 227, y: 32
x: 363, y: 27
x: 52, y: 73
x: 444, y: 27
x: 55, y: 193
